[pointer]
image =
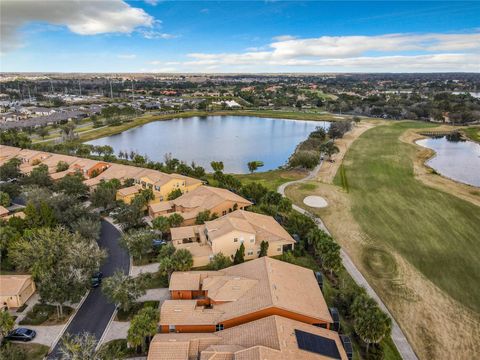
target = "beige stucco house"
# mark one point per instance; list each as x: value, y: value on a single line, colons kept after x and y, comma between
x: 15, y: 290
x: 216, y: 200
x: 226, y: 233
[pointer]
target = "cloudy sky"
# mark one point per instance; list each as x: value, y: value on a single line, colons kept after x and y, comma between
x: 239, y: 36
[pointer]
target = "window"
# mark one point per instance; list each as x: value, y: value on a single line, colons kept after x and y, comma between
x: 252, y: 240
x: 235, y: 239
x: 250, y: 252
x: 171, y: 328
x: 224, y: 213
x: 279, y: 249
x: 258, y: 252
x: 157, y: 188
x: 219, y: 327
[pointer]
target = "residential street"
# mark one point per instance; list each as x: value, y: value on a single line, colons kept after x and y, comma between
x: 95, y: 313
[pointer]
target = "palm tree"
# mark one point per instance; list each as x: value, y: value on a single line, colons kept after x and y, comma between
x: 78, y: 347
x: 143, y: 325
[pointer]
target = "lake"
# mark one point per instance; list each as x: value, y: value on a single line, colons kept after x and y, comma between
x: 235, y: 140
x: 458, y: 160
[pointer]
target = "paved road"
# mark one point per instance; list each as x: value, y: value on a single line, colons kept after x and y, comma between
x: 398, y: 336
x: 95, y: 312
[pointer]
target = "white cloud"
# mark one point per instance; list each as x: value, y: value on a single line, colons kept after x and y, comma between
x: 152, y: 2
x: 152, y: 34
x: 83, y: 17
x: 284, y: 38
x: 392, y: 52
x: 126, y: 56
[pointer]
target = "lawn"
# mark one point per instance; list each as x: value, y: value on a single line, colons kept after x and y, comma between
x: 128, y: 315
x: 31, y: 351
x: 272, y: 179
x: 46, y: 315
x: 473, y: 133
x: 436, y: 232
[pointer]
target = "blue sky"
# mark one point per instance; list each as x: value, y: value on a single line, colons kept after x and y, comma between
x: 239, y: 36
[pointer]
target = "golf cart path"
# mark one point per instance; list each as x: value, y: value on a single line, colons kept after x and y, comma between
x: 398, y: 337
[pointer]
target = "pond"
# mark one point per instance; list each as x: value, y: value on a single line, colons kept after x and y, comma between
x: 457, y: 160
x: 235, y: 140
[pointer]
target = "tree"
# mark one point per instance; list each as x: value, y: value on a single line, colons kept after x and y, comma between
x: 38, y: 216
x: 299, y: 224
x: 122, y: 289
x: 130, y: 216
x: 62, y: 166
x: 174, y: 260
x: 5, y: 199
x: 78, y: 347
x: 174, y: 194
x: 87, y: 228
x: 143, y: 326
x: 219, y: 262
x: 329, y: 148
x: 325, y: 248
x: 161, y: 223
x: 217, y: 166
x: 137, y: 242
x: 42, y: 132
x: 72, y: 184
x: 304, y: 159
x: 202, y: 217
x: 252, y: 166
x: 60, y: 262
x: 371, y: 324
x: 263, y: 248
x: 239, y: 256
x: 38, y: 176
x: 7, y: 322
x: 105, y: 193
x: 10, y: 170
x: 175, y: 220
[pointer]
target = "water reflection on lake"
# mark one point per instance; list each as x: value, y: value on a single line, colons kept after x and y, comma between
x: 458, y: 160
x: 235, y: 140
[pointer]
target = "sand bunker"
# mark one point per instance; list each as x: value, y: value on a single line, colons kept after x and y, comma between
x: 315, y: 201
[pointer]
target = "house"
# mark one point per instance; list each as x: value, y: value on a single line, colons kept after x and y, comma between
x: 208, y: 301
x: 15, y: 290
x: 226, y: 233
x: 271, y: 338
x: 189, y: 205
x: 3, y: 212
x: 160, y: 183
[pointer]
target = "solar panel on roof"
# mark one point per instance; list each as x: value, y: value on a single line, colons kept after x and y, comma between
x: 317, y: 344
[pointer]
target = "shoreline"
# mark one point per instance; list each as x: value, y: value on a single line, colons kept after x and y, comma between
x: 145, y: 119
x: 426, y: 175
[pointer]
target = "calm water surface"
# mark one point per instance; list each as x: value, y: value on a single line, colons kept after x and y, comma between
x: 458, y: 160
x: 235, y: 140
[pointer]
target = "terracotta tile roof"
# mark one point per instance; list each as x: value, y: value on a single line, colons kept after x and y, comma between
x: 161, y: 206
x: 11, y: 285
x: 129, y: 190
x: 185, y: 281
x: 3, y: 211
x: 261, y: 284
x: 186, y: 312
x: 270, y: 338
x: 206, y: 198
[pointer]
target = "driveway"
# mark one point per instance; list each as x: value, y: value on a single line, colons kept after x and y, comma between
x: 95, y: 312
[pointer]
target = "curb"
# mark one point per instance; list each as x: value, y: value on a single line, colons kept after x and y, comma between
x: 102, y: 338
x: 57, y: 339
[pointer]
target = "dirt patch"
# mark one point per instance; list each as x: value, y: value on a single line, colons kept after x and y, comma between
x: 329, y: 169
x: 437, y: 326
x: 427, y: 176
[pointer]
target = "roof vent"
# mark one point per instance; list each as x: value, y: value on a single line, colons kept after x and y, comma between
x: 177, y: 310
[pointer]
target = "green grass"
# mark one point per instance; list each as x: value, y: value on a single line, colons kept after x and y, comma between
x: 128, y: 315
x: 31, y: 351
x: 436, y: 232
x: 473, y: 133
x: 271, y: 179
x: 45, y: 315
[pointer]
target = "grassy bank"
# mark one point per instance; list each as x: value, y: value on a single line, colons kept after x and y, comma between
x: 473, y: 133
x: 272, y: 179
x: 433, y: 230
x: 294, y: 115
